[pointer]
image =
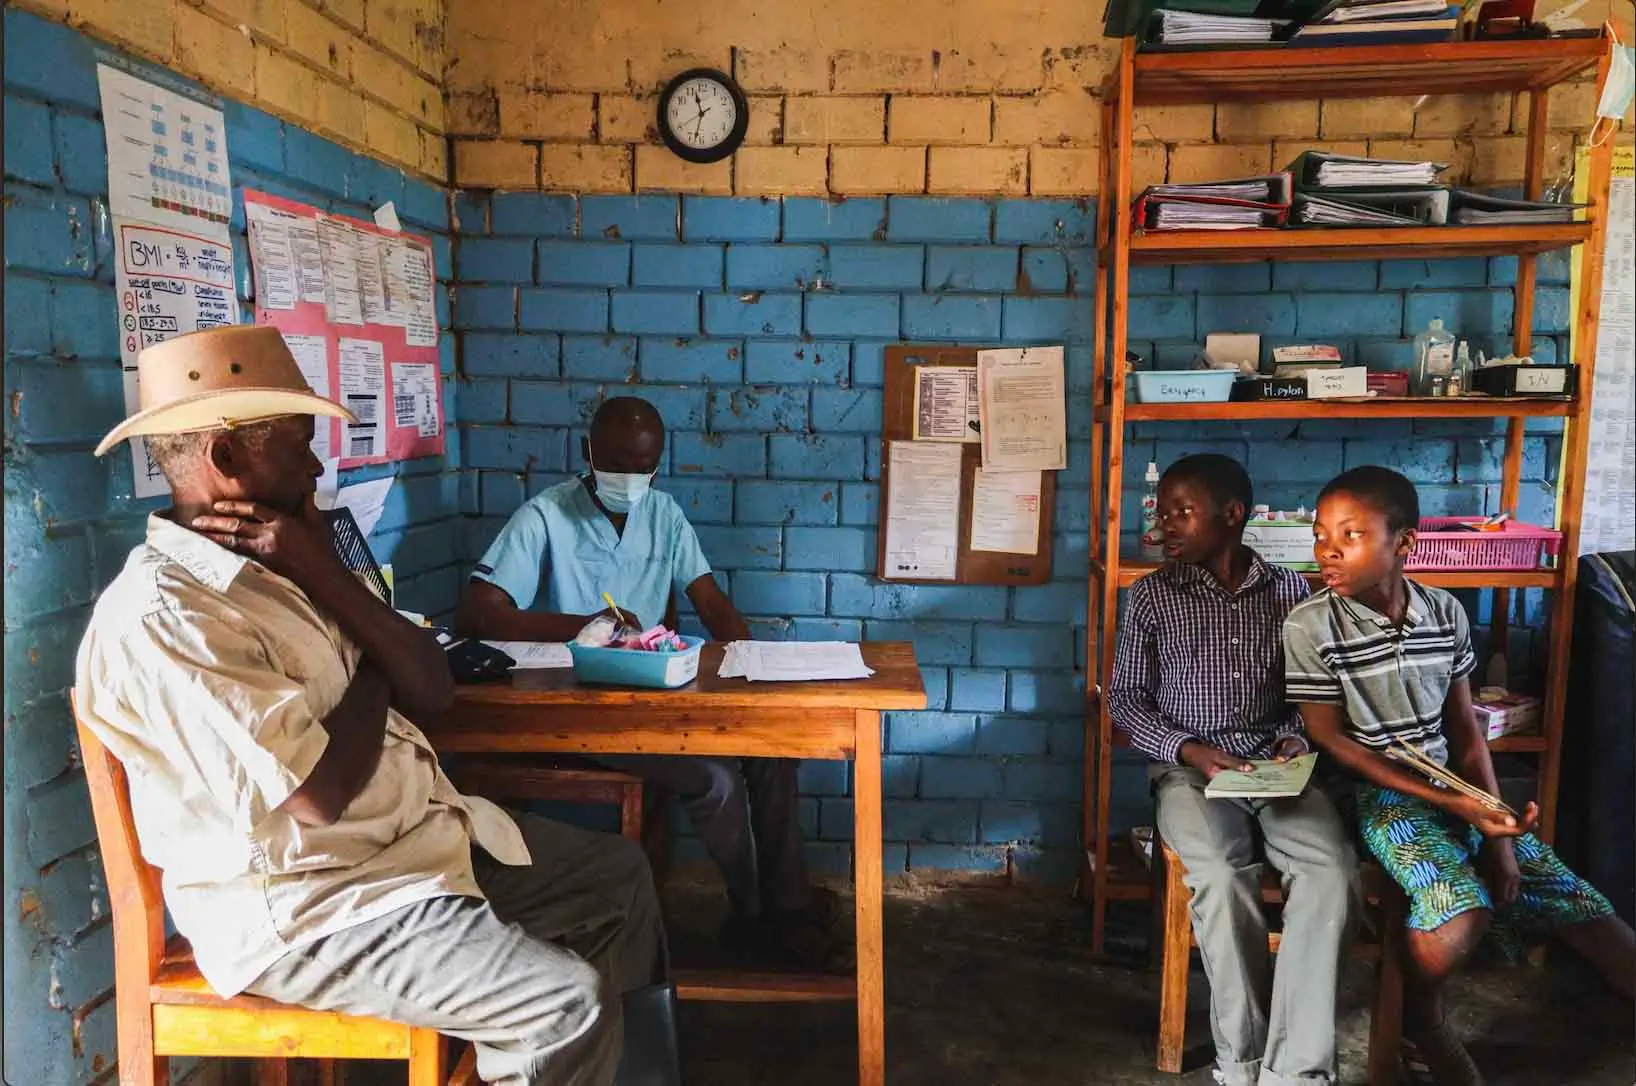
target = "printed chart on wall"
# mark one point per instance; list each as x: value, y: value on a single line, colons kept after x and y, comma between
x: 356, y: 304
x: 170, y: 195
x: 1608, y: 522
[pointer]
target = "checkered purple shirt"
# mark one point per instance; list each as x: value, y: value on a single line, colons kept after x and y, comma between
x: 1195, y: 662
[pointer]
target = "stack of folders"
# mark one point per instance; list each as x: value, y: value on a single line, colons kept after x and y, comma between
x: 1193, y: 28
x: 1427, y: 206
x: 1379, y: 22
x: 1322, y: 170
x: 1476, y: 208
x: 1240, y: 204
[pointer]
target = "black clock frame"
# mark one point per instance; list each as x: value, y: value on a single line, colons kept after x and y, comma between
x: 734, y: 138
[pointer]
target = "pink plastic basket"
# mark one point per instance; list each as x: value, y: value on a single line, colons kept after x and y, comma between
x: 1442, y: 545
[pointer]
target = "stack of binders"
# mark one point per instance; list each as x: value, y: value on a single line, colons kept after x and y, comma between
x: 1379, y: 22
x: 1338, y: 190
x: 1241, y: 204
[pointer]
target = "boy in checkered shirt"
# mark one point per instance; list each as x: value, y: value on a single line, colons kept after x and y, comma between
x: 1198, y: 686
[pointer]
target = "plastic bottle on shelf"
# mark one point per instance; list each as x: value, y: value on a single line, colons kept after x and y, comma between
x: 1460, y: 375
x: 1152, y: 547
x: 1433, y: 358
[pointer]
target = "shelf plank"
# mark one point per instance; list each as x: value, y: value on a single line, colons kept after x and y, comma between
x: 1383, y: 407
x: 1351, y: 243
x: 1518, y: 744
x: 1132, y: 571
x: 1360, y: 71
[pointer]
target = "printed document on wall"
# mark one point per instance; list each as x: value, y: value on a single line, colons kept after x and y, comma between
x: 1023, y: 402
x: 1005, y: 511
x: 923, y: 511
x: 1608, y: 520
x: 363, y: 392
x: 946, y: 406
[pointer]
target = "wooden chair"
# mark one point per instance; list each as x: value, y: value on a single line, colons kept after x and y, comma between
x: 163, y: 1005
x: 1174, y: 943
x: 514, y: 778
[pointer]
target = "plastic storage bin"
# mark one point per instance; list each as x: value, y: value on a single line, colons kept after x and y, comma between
x: 631, y: 667
x: 1442, y: 545
x: 1183, y: 386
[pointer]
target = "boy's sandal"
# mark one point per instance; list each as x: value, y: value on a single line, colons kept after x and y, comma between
x: 1436, y: 1057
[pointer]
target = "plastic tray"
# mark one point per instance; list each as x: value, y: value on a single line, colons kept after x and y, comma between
x: 631, y: 667
x: 1183, y: 386
x: 1441, y: 545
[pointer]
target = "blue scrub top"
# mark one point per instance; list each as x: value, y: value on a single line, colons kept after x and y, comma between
x: 562, y: 540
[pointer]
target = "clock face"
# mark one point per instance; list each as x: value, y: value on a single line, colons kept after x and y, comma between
x: 701, y: 113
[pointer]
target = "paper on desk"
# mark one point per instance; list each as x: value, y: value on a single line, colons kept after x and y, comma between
x: 1005, y: 511
x: 1023, y: 399
x: 946, y: 404
x: 922, y: 511
x: 367, y: 501
x: 1271, y: 780
x: 535, y: 655
x: 793, y: 661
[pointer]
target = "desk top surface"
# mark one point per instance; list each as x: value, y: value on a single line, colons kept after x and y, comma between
x: 896, y: 684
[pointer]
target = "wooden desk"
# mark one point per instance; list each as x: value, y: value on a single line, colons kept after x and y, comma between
x: 549, y: 712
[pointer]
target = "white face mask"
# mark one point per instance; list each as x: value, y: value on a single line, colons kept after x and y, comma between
x: 619, y: 491
x: 1621, y: 84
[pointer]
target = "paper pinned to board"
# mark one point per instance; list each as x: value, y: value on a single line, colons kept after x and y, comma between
x: 535, y: 655
x: 946, y: 404
x: 367, y: 501
x: 793, y: 661
x: 1005, y: 511
x: 386, y: 217
x: 1023, y: 398
x: 922, y: 511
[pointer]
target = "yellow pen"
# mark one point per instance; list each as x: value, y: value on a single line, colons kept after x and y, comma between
x: 614, y: 607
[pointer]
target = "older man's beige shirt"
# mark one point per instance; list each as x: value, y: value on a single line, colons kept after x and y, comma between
x: 208, y: 676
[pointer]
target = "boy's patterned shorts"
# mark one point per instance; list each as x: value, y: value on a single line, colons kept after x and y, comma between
x: 1432, y: 854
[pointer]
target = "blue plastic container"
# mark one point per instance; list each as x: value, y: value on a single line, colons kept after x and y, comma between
x: 1183, y: 386
x: 631, y: 667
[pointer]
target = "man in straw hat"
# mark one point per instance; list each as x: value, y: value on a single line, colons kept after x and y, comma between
x: 260, y: 699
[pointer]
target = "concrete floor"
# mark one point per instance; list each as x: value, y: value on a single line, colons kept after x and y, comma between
x: 993, y: 986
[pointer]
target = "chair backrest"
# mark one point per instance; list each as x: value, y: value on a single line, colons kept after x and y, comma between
x: 134, y: 888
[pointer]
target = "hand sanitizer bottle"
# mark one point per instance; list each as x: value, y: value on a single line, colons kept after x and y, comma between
x: 1153, y: 537
x: 1433, y: 358
x: 1460, y: 375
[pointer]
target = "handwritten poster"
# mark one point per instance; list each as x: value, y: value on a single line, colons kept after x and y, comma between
x: 171, y: 197
x: 1608, y: 519
x: 356, y: 303
x: 1023, y: 401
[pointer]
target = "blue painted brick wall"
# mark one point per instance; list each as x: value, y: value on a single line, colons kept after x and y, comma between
x: 776, y: 312
x: 71, y: 519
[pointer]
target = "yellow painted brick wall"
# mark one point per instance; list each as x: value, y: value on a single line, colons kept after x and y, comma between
x: 853, y: 97
x: 365, y: 73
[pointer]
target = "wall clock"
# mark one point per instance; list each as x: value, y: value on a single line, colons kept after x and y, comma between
x: 703, y: 115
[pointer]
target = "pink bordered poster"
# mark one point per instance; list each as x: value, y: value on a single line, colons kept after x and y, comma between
x: 357, y: 305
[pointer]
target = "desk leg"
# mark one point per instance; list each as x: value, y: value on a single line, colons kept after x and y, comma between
x: 866, y: 801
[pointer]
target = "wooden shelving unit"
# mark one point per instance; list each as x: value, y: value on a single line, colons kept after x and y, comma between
x: 1112, y: 871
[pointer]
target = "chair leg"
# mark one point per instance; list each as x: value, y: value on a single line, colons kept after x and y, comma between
x: 1386, y: 1017
x: 1157, y: 870
x: 331, y: 1073
x: 428, y: 1058
x: 630, y: 811
x: 270, y: 1073
x: 465, y: 1072
x: 1177, y: 953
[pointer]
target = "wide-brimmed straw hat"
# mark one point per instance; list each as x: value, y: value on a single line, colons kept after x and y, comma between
x: 218, y: 379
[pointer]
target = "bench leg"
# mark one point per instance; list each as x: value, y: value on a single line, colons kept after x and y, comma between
x: 428, y: 1058
x: 1386, y: 1017
x: 270, y: 1073
x: 1176, y: 954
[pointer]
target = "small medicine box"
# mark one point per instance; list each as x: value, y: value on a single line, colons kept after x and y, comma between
x: 1501, y: 713
x: 1533, y: 380
x: 1281, y: 539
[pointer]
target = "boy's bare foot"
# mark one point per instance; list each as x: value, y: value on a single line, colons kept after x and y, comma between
x: 1436, y: 1056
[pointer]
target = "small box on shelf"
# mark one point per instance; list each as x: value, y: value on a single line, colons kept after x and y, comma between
x: 1500, y: 712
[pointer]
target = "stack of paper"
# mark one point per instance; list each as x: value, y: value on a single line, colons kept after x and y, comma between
x: 1340, y: 172
x: 535, y: 655
x: 1313, y: 210
x: 1191, y: 216
x: 1268, y: 780
x: 1353, y: 11
x: 793, y: 661
x: 1259, y: 189
x: 1191, y: 28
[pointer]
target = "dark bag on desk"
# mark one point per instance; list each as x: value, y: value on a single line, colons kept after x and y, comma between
x: 651, y: 1057
x: 471, y: 661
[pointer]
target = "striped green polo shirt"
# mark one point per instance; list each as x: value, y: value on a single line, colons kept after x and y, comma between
x: 1391, y: 681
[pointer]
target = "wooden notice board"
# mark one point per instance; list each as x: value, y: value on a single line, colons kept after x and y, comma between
x: 898, y: 424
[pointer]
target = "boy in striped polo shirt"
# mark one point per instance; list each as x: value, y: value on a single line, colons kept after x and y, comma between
x: 1374, y: 660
